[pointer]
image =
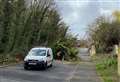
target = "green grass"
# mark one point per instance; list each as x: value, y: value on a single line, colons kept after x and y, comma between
x: 106, y: 67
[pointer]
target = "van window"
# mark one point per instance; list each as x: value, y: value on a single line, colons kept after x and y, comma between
x: 48, y: 53
x: 37, y: 52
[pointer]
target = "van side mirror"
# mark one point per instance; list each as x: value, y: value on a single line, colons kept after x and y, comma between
x: 48, y: 55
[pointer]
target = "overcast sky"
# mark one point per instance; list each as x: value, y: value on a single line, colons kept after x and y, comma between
x: 78, y: 14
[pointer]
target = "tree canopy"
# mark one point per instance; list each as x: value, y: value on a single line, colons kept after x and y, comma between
x: 105, y: 32
x: 37, y: 23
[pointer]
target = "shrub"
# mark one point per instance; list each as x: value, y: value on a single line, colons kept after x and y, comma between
x: 70, y: 53
x: 107, y: 62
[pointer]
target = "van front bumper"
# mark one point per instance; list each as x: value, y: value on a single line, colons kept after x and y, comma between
x: 34, y: 64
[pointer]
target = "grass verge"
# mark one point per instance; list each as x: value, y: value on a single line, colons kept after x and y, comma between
x: 7, y: 60
x: 106, y: 67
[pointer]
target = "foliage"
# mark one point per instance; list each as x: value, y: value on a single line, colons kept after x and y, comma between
x: 107, y: 67
x: 105, y: 33
x: 68, y: 46
x: 116, y: 15
x: 25, y: 26
x: 107, y: 63
x: 73, y: 53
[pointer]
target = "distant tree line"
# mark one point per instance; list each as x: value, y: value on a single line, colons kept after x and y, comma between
x: 105, y: 32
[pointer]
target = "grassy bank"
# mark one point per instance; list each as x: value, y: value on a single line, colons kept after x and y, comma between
x: 106, y: 67
x: 8, y: 59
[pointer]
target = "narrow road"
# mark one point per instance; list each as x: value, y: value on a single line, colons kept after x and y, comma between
x: 83, y: 72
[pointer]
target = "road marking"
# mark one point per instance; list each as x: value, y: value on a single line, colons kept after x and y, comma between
x: 71, y: 75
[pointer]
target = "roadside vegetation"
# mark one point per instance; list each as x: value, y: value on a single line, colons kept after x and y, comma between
x: 104, y: 34
x: 106, y: 66
x: 24, y: 25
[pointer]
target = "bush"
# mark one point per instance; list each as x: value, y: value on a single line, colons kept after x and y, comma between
x: 73, y: 53
x: 107, y: 62
x: 70, y: 53
x: 7, y: 58
x: 107, y: 67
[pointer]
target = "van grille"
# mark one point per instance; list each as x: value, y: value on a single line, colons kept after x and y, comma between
x: 32, y: 60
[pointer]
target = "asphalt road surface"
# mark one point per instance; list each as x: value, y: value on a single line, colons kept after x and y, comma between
x: 82, y: 72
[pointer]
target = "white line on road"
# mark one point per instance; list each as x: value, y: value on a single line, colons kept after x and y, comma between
x: 71, y: 75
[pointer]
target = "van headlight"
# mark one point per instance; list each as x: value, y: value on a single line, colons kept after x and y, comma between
x: 25, y: 59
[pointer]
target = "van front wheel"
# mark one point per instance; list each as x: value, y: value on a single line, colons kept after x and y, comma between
x: 45, y: 66
x: 51, y: 65
x: 26, y: 68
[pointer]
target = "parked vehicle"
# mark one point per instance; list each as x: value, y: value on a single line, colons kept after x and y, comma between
x: 39, y: 57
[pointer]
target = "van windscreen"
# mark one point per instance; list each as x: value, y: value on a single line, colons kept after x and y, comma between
x: 37, y: 52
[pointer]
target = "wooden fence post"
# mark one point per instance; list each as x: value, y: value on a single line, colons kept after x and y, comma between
x: 117, y: 50
x: 92, y: 51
